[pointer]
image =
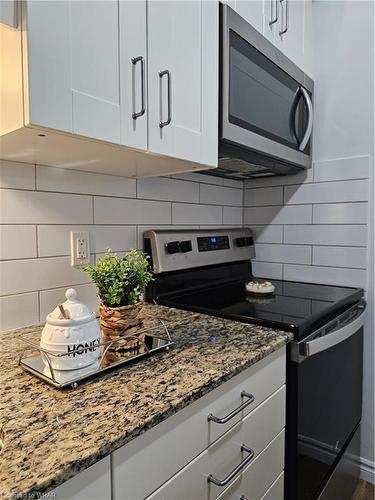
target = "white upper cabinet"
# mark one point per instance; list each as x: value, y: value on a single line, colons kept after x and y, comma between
x: 133, y: 73
x: 183, y: 79
x: 251, y: 11
x: 73, y: 65
x: 95, y: 69
x: 289, y: 33
x: 133, y: 76
x: 285, y: 23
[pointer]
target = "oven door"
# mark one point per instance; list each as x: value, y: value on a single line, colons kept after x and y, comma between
x: 324, y: 401
x: 266, y: 101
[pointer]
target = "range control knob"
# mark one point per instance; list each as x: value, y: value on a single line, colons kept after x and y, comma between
x: 244, y: 242
x: 173, y: 247
x: 185, y: 246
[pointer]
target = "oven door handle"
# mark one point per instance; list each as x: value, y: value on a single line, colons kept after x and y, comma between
x: 316, y: 346
x: 309, y: 126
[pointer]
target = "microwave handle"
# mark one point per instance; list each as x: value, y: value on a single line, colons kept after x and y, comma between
x: 309, y: 107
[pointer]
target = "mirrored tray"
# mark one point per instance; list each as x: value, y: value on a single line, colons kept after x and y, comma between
x: 148, y: 341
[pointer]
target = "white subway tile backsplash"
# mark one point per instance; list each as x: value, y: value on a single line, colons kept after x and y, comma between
x: 127, y: 211
x: 267, y: 270
x: 350, y: 235
x: 163, y: 188
x: 268, y: 234
x: 340, y: 213
x: 16, y: 175
x: 19, y: 310
x: 327, y: 192
x: 326, y: 275
x: 341, y: 169
x: 50, y: 298
x: 18, y: 276
x: 354, y: 257
x: 17, y: 242
x: 232, y: 215
x: 220, y: 195
x: 184, y: 213
x: 74, y: 181
x: 293, y: 254
x: 307, y: 227
x: 263, y: 196
x: 31, y: 207
x: 278, y: 215
x: 55, y: 240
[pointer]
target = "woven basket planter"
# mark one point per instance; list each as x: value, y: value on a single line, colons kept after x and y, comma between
x: 116, y: 322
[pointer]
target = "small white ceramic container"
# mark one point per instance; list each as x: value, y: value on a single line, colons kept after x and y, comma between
x: 78, y: 336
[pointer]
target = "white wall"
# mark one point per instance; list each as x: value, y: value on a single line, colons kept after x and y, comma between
x: 319, y: 226
x: 39, y: 206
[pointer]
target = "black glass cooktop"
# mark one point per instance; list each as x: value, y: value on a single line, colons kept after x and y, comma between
x: 295, y: 307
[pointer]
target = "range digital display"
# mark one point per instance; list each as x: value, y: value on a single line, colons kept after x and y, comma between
x: 208, y: 243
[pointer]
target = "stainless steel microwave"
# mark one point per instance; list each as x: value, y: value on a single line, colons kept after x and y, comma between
x: 266, y: 110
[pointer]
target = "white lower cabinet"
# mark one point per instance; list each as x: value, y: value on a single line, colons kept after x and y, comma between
x: 166, y: 449
x: 276, y: 492
x: 218, y: 462
x: 242, y: 449
x: 93, y: 483
x: 260, y: 475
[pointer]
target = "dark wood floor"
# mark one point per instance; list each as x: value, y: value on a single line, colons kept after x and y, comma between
x: 364, y: 491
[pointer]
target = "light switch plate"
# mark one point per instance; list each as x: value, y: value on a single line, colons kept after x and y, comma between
x: 79, y: 248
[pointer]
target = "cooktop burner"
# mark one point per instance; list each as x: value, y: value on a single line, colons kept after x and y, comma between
x: 295, y: 307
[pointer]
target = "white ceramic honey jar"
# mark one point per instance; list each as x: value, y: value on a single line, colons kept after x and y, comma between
x: 71, y: 329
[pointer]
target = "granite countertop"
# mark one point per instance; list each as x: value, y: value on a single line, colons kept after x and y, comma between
x: 50, y: 435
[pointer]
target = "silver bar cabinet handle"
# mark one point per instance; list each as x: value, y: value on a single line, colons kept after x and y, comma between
x: 309, y: 126
x: 169, y: 116
x: 283, y: 31
x: 235, y: 412
x: 235, y: 471
x: 276, y: 18
x: 135, y: 60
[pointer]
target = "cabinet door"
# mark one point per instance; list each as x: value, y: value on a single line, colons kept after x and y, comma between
x: 93, y: 483
x: 8, y: 13
x: 289, y: 36
x: 271, y: 20
x: 48, y: 64
x: 255, y: 431
x: 251, y: 11
x: 95, y: 69
x: 133, y: 73
x: 73, y: 67
x: 183, y: 79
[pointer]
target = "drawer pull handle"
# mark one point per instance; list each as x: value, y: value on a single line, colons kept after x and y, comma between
x: 236, y: 411
x: 236, y: 470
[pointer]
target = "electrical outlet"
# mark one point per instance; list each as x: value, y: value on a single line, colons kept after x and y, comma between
x: 79, y: 248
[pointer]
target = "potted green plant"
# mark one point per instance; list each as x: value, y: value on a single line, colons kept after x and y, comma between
x: 120, y: 285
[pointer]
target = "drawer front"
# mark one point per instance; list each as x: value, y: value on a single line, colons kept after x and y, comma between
x: 276, y: 492
x: 260, y: 475
x: 256, y: 431
x: 185, y: 435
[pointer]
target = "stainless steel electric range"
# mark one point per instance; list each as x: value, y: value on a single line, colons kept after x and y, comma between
x: 206, y: 271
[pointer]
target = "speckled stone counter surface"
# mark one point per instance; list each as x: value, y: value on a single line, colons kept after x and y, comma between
x: 50, y: 435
